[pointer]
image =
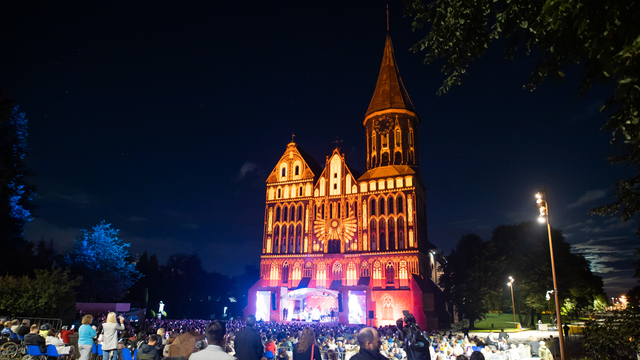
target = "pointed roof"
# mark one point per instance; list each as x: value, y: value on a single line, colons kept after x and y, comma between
x: 390, y: 92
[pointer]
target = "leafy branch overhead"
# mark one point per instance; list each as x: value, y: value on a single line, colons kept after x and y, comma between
x: 602, y: 36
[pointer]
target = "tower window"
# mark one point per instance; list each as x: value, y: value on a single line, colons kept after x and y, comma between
x: 398, y: 137
x: 335, y: 175
x: 385, y: 141
x: 279, y: 193
x: 284, y: 171
x: 300, y: 191
x: 335, y: 186
x: 297, y: 171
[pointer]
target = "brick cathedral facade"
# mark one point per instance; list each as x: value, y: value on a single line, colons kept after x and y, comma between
x: 348, y: 245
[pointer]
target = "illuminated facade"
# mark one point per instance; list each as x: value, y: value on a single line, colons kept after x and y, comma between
x: 354, y: 244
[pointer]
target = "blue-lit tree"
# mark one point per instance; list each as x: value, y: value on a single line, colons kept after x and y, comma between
x: 103, y: 261
x: 15, y: 192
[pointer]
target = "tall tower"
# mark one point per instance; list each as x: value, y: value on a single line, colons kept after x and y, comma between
x: 353, y: 246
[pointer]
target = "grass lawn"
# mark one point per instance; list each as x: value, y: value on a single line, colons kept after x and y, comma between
x: 501, y: 321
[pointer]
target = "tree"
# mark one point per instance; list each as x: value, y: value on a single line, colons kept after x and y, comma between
x: 603, y: 36
x: 49, y: 294
x: 15, y: 192
x: 615, y: 337
x: 468, y: 277
x: 186, y: 278
x: 102, y: 259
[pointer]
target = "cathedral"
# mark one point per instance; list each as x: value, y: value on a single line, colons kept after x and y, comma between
x: 350, y: 248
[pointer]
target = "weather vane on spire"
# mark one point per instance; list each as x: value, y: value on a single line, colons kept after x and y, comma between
x: 387, y: 17
x: 336, y: 141
x: 292, y: 136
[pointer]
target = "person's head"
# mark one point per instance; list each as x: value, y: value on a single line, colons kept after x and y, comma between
x: 476, y: 355
x: 33, y: 329
x: 87, y: 319
x: 52, y: 332
x: 111, y: 318
x: 307, y: 339
x: 369, y: 339
x: 17, y: 322
x: 250, y: 321
x: 331, y: 355
x: 461, y: 357
x: 7, y: 324
x: 530, y: 338
x: 160, y: 332
x: 25, y: 322
x: 501, y: 330
x: 215, y: 333
x: 153, y: 339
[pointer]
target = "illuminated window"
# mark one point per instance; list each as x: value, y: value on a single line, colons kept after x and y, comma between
x: 308, y: 269
x: 387, y: 308
x: 409, y: 210
x: 286, y: 192
x: 398, y: 137
x: 381, y: 184
x: 385, y: 141
x: 372, y: 185
x: 399, y: 182
x: 297, y: 273
x: 285, y: 273
x: 377, y: 274
x: 390, y: 184
x: 348, y: 184
x: 410, y: 137
x: 409, y: 181
x: 337, y: 271
x: 365, y: 246
x: 271, y: 193
x: 364, y: 269
x: 307, y: 191
x: 410, y: 238
x: 275, y: 274
x: 403, y: 273
x: 321, y: 275
x: 373, y: 142
x: 322, y: 186
x: 390, y: 273
x: 352, y: 274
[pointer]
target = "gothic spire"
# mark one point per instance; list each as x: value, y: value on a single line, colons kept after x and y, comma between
x: 390, y: 92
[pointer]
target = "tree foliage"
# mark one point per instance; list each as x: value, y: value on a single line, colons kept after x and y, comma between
x: 102, y: 259
x: 615, y: 337
x: 603, y: 36
x: 15, y: 192
x: 50, y: 293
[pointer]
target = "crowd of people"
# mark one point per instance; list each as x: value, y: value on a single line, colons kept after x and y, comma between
x: 155, y: 339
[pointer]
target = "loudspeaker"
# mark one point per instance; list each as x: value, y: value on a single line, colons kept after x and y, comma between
x: 274, y: 305
x: 340, y: 309
x: 370, y: 314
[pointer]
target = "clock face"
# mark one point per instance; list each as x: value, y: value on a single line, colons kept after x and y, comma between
x: 382, y: 125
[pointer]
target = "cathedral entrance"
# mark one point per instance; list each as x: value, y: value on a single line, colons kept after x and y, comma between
x: 310, y: 305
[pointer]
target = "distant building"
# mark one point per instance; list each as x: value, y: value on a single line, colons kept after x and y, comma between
x: 354, y: 245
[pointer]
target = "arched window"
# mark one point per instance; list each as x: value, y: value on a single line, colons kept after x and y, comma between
x: 392, y: 233
x: 284, y: 171
x: 299, y: 218
x: 403, y: 273
x: 297, y: 272
x: 381, y: 202
x: 300, y: 191
x: 373, y: 231
x: 283, y: 239
x: 279, y: 193
x: 401, y: 243
x: 390, y: 204
x: 276, y: 239
x: 297, y: 170
x: 398, y: 137
x: 337, y: 272
x: 321, y: 275
x: 298, y: 248
x: 364, y: 269
x: 390, y: 273
x: 373, y: 207
x: 377, y: 274
x: 373, y: 161
x: 400, y: 205
x: 274, y: 275
x: 352, y: 274
x: 292, y: 239
x: 278, y: 214
x: 285, y: 214
x: 383, y: 236
x: 385, y: 159
x: 292, y: 213
x: 285, y: 272
x: 387, y: 308
x: 308, y: 269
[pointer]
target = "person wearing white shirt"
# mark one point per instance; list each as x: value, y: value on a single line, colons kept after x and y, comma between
x: 215, y: 333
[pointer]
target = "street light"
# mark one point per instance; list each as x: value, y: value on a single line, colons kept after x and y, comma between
x: 541, y: 200
x: 513, y: 304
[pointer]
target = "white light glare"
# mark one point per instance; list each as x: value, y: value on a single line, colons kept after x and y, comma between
x: 541, y: 219
x: 538, y: 196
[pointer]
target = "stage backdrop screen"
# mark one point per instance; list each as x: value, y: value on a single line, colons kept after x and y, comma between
x: 357, y: 307
x: 263, y: 305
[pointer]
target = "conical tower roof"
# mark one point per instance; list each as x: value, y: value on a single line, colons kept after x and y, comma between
x: 390, y: 92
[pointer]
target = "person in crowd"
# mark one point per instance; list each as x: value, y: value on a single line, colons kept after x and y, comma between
x: 307, y: 347
x: 161, y: 336
x: 170, y: 340
x: 503, y: 335
x: 215, y: 333
x: 369, y: 342
x: 24, y: 328
x: 6, y: 331
x: 491, y: 339
x: 248, y: 343
x: 54, y: 338
x: 65, y: 333
x: 535, y: 345
x: 271, y: 345
x: 44, y: 330
x: 86, y: 333
x: 15, y: 325
x: 110, y: 339
x: 33, y: 338
x: 331, y: 355
x: 476, y: 355
x: 141, y: 339
x: 149, y: 351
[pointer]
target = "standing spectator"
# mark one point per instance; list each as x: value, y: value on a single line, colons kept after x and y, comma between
x: 86, y: 333
x: 307, y: 347
x: 215, y: 338
x: 110, y: 340
x: 65, y: 333
x: 248, y: 343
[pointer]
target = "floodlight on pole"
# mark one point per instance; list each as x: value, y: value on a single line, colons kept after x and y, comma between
x: 513, y: 303
x: 541, y: 200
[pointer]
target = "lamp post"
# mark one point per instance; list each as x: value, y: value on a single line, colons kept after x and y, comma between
x: 544, y: 217
x: 513, y: 304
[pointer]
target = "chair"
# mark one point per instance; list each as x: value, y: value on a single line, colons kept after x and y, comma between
x: 269, y: 355
x: 34, y: 352
x: 99, y: 353
x: 135, y: 354
x: 126, y: 354
x: 52, y: 351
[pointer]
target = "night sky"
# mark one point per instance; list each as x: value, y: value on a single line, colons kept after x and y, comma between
x: 164, y: 118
